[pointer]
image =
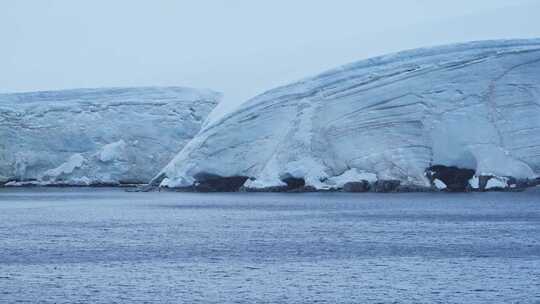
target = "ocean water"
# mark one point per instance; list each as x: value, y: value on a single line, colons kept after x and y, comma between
x: 110, y: 246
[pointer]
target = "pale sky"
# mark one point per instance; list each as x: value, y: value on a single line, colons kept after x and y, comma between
x: 238, y: 47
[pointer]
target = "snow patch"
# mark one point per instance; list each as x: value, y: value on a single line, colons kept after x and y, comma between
x: 497, y: 183
x: 113, y: 152
x: 351, y: 175
x: 74, y: 162
x: 308, y: 169
x: 268, y: 178
x: 474, y: 182
x: 439, y: 184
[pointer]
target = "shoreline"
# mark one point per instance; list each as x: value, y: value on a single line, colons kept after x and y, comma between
x: 144, y: 188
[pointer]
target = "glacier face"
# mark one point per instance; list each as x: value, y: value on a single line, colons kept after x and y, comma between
x: 97, y: 136
x: 473, y: 105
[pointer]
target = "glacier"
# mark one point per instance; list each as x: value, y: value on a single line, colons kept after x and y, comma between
x: 108, y: 136
x: 473, y: 108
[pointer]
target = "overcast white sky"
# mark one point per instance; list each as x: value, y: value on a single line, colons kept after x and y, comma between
x: 238, y: 47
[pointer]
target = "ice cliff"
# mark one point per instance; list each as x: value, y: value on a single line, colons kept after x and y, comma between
x: 387, y: 120
x: 97, y: 136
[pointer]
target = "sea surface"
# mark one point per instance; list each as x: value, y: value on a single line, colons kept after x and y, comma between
x: 79, y: 245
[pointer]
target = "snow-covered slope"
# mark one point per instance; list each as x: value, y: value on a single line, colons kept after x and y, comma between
x: 474, y: 105
x: 97, y: 136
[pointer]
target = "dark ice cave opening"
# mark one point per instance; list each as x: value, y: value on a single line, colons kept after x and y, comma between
x: 294, y: 183
x: 455, y: 178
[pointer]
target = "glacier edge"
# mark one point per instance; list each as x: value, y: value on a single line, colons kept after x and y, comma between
x: 472, y: 105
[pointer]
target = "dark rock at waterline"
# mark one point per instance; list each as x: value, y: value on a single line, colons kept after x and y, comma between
x: 534, y: 182
x: 305, y: 189
x: 513, y: 184
x: 361, y: 186
x: 216, y: 183
x: 294, y: 183
x: 482, y: 182
x: 144, y: 188
x: 286, y: 189
x: 456, y: 179
x: 386, y: 185
x: 267, y: 189
x: 413, y: 188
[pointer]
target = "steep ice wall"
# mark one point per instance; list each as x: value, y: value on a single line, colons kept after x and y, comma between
x: 474, y: 105
x: 97, y: 136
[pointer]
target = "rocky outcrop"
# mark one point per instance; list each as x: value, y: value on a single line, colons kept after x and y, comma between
x: 386, y: 185
x: 97, y: 136
x: 213, y: 183
x: 361, y: 186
